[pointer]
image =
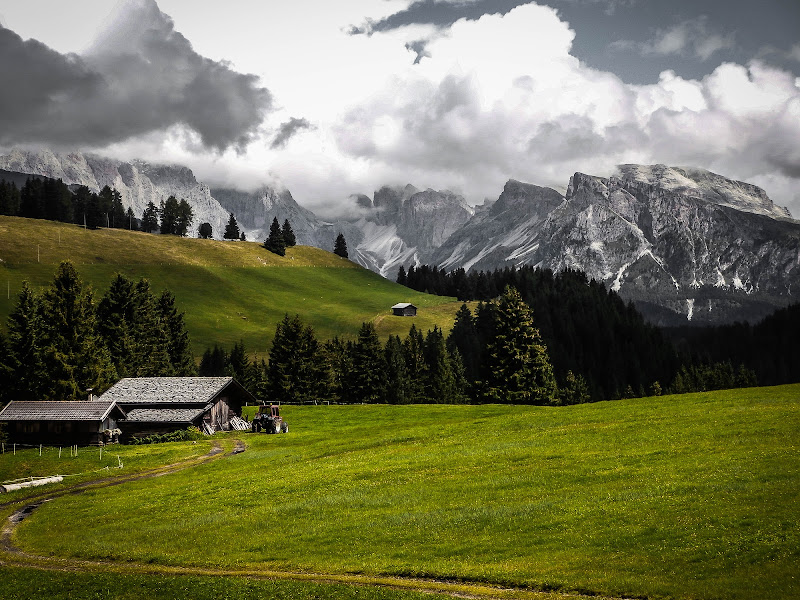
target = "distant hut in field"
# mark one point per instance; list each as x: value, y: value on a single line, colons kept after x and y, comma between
x: 162, y: 404
x: 404, y: 309
x: 84, y: 422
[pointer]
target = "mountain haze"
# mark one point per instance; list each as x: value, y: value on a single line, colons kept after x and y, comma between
x: 684, y: 244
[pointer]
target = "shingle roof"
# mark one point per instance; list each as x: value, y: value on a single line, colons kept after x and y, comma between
x: 403, y: 305
x: 164, y: 415
x: 162, y: 390
x: 32, y: 410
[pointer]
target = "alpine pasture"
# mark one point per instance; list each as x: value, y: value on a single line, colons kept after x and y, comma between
x: 691, y: 496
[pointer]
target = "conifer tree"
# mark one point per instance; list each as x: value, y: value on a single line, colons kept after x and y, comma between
x: 151, y: 356
x: 368, y: 366
x: 340, y: 246
x: 231, y: 229
x: 150, y: 218
x: 130, y: 219
x: 169, y: 215
x: 398, y: 385
x: 401, y: 275
x: 178, y: 343
x: 288, y: 235
x: 440, y: 381
x: 275, y: 242
x: 293, y: 370
x: 337, y: 368
x: 239, y: 366
x: 519, y: 366
x: 213, y: 362
x: 464, y: 339
x: 25, y: 338
x: 413, y: 348
x: 183, y: 218
x: 76, y: 357
x: 6, y: 372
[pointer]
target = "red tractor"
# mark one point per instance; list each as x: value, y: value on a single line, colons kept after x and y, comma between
x: 268, y: 419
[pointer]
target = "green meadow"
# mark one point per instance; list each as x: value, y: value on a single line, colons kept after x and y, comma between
x: 692, y: 496
x: 229, y: 291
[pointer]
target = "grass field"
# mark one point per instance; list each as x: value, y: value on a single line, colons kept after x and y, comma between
x: 230, y: 291
x: 692, y: 496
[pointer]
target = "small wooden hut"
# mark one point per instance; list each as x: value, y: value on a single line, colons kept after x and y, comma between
x: 404, y: 309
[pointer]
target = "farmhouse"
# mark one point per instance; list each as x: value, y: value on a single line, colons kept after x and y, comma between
x: 61, y: 423
x: 404, y: 309
x: 162, y: 404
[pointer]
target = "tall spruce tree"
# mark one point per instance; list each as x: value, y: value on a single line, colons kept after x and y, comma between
x: 294, y: 368
x: 289, y: 238
x: 398, y: 384
x: 413, y: 350
x: 369, y: 377
x: 440, y: 380
x: 465, y: 340
x: 519, y: 366
x: 231, y: 229
x: 340, y: 246
x: 178, y: 343
x: 76, y: 357
x: 275, y: 242
x: 25, y: 339
x: 150, y: 218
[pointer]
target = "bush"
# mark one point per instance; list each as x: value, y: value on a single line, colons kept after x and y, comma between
x: 182, y: 435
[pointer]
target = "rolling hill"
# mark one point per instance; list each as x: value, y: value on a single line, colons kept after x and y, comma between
x: 229, y: 291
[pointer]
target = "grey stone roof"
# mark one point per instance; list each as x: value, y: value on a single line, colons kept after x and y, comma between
x: 403, y: 305
x: 166, y: 390
x: 164, y: 415
x: 32, y: 410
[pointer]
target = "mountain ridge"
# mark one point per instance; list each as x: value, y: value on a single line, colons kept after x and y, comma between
x: 683, y: 243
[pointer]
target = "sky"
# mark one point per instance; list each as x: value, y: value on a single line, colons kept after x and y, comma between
x: 330, y: 99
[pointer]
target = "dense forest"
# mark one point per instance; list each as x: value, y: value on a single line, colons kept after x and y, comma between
x: 592, y: 333
x: 62, y: 343
x: 52, y: 199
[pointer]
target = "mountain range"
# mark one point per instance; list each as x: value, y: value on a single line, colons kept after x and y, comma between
x: 684, y: 244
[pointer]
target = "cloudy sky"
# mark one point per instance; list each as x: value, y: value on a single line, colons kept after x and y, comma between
x: 333, y: 98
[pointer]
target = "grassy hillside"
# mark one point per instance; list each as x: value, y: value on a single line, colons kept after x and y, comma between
x: 229, y: 290
x: 692, y: 496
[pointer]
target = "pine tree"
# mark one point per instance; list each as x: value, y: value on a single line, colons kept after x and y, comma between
x: 440, y: 382
x: 275, y: 242
x: 231, y: 229
x: 178, y: 343
x: 519, y: 366
x: 293, y: 370
x: 183, y: 218
x: 239, y: 366
x: 25, y: 358
x: 75, y: 355
x: 169, y: 215
x: 464, y: 339
x: 398, y: 384
x: 337, y: 367
x: 288, y: 235
x: 340, y: 246
x: 413, y: 351
x: 368, y: 367
x: 401, y: 275
x: 150, y: 218
x: 213, y: 362
x: 130, y: 220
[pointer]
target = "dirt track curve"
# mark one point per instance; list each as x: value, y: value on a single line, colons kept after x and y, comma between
x: 11, y: 556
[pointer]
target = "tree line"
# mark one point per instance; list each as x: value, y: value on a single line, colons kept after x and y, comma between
x: 594, y: 338
x: 416, y: 369
x: 52, y: 199
x: 61, y: 342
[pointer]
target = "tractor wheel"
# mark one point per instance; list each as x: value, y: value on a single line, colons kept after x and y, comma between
x: 284, y: 427
x: 276, y: 427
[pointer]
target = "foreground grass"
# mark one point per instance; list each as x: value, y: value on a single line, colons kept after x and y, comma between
x: 230, y: 291
x: 89, y: 464
x: 25, y: 584
x: 691, y: 496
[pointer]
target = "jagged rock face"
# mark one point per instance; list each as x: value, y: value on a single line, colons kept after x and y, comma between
x: 137, y: 182
x: 680, y: 251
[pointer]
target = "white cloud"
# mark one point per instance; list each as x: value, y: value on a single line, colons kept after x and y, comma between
x: 693, y: 37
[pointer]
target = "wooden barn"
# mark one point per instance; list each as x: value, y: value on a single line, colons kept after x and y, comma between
x: 61, y: 423
x: 162, y: 404
x: 404, y: 309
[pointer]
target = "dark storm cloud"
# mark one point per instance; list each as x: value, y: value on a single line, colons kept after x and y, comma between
x: 142, y: 77
x: 440, y: 14
x: 287, y: 130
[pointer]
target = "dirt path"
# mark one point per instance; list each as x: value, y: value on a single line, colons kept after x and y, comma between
x: 11, y: 556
